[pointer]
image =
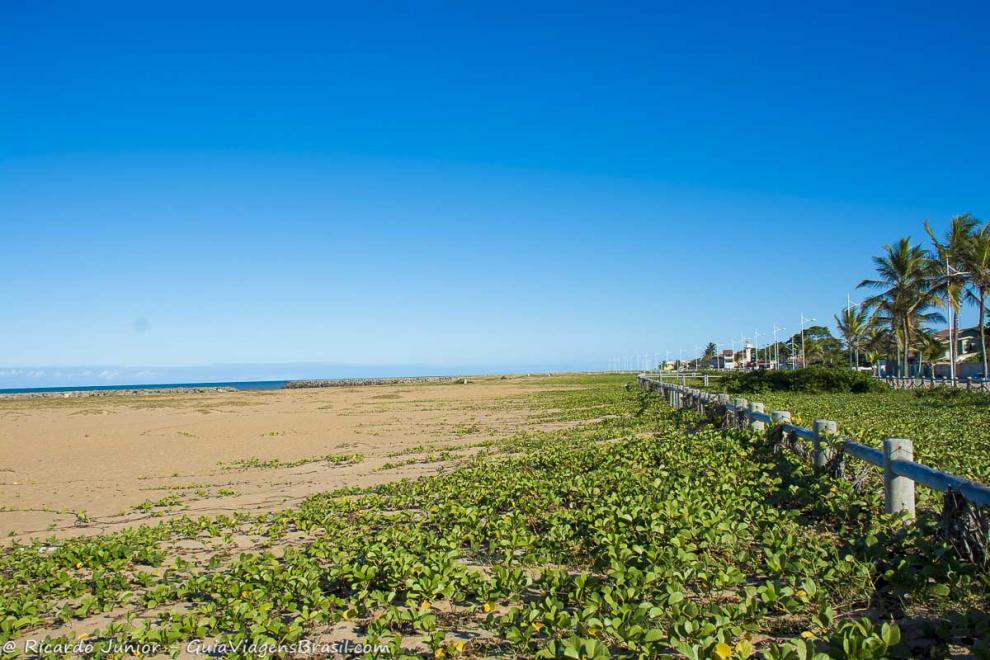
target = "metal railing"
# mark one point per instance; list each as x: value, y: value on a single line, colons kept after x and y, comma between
x: 896, y: 459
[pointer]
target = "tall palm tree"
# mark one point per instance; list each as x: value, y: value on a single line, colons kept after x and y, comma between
x: 853, y: 324
x: 931, y: 350
x: 950, y: 253
x: 977, y: 262
x: 878, y: 343
x: 905, y: 278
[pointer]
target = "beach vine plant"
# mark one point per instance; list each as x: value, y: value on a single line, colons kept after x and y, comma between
x: 615, y: 535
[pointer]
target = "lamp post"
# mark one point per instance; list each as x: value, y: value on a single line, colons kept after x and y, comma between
x: 776, y: 346
x: 949, y: 272
x: 804, y: 362
x: 756, y: 345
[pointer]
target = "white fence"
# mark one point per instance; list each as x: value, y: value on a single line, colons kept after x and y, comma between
x: 900, y: 472
x: 918, y: 383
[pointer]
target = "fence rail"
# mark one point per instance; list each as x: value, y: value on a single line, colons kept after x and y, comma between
x: 919, y: 383
x: 683, y: 376
x: 896, y: 459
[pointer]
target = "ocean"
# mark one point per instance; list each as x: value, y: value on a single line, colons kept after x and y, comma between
x: 237, y: 385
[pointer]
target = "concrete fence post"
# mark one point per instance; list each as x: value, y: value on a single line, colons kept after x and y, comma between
x: 755, y: 424
x: 741, y: 407
x: 706, y: 380
x: 823, y: 428
x: 781, y: 417
x: 898, y: 491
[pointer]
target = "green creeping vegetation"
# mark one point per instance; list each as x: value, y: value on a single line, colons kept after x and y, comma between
x: 167, y: 502
x: 277, y: 464
x: 623, y: 536
x: 949, y: 431
x: 437, y: 457
x: 813, y: 380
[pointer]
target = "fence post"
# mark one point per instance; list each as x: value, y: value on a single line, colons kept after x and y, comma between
x: 822, y: 429
x: 754, y: 424
x: 741, y: 407
x: 781, y: 417
x: 898, y: 491
x: 706, y: 380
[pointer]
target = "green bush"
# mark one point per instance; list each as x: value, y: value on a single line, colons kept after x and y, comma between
x: 812, y: 380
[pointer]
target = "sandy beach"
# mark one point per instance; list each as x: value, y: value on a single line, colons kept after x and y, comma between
x: 77, y: 466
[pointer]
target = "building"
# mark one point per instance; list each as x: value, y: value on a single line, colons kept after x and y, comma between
x: 967, y: 343
x: 727, y: 360
x: 968, y: 354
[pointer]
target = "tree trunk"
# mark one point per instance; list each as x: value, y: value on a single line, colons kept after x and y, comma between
x: 954, y: 344
x: 983, y: 335
x: 897, y: 348
x: 907, y: 350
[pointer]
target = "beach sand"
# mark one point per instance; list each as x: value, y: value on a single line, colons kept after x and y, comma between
x: 78, y: 466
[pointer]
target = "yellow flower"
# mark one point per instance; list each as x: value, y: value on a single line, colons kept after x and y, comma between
x: 537, y: 626
x: 439, y: 653
x: 244, y: 595
x: 78, y: 564
x: 348, y: 614
x: 807, y: 634
x: 802, y: 593
x: 459, y: 645
x: 723, y: 650
x: 425, y: 605
x: 488, y: 607
x: 434, y: 508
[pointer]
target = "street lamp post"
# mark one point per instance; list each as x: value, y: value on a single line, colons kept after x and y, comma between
x: 776, y: 346
x: 804, y: 361
x: 949, y: 272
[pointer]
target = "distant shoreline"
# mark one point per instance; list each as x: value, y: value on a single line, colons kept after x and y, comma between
x: 225, y: 386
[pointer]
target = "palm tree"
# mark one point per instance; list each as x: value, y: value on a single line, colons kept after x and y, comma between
x: 905, y: 279
x: 951, y: 256
x: 878, y: 343
x: 853, y: 324
x: 977, y: 262
x: 930, y: 350
x: 711, y: 351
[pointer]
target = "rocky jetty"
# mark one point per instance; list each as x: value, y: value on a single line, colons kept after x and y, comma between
x: 361, y: 382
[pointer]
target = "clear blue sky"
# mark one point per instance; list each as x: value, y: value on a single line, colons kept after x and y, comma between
x: 459, y: 185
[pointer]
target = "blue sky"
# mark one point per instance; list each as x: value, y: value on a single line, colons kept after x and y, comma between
x: 453, y: 185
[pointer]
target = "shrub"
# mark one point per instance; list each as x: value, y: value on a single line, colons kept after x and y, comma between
x: 812, y: 380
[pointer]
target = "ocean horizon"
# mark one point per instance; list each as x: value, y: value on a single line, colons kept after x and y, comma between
x: 238, y: 385
x: 254, y: 376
